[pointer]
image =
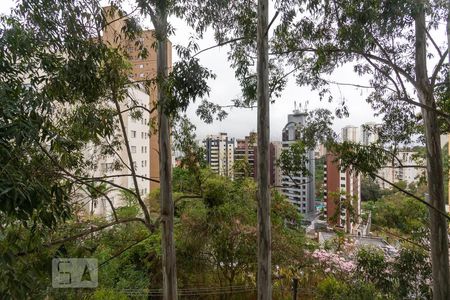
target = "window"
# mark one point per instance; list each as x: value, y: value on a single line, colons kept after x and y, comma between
x: 133, y: 133
x: 134, y: 164
x: 143, y: 163
x: 133, y: 149
x: 342, y: 178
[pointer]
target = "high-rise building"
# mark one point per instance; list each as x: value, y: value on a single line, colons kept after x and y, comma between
x: 342, y: 188
x: 143, y: 68
x: 351, y: 133
x: 342, y: 194
x: 277, y: 174
x: 409, y: 173
x: 112, y: 166
x: 220, y: 154
x: 300, y: 190
x: 246, y: 150
x: 369, y: 134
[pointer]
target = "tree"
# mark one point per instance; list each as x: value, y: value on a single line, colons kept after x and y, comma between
x: 262, y: 94
x: 370, y: 190
x: 375, y: 35
x: 60, y: 79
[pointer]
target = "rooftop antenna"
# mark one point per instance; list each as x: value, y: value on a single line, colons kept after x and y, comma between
x: 295, y: 105
x: 306, y: 105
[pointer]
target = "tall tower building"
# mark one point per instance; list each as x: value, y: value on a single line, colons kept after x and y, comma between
x: 369, y: 134
x: 301, y: 190
x: 112, y: 166
x: 220, y: 154
x: 342, y: 188
x: 277, y: 174
x: 351, y: 134
x: 246, y: 150
x: 143, y: 68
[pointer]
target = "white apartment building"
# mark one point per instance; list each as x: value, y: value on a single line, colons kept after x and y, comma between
x: 115, y: 168
x: 369, y: 133
x: 301, y: 191
x: 351, y: 133
x: 408, y: 173
x: 278, y: 176
x: 220, y: 153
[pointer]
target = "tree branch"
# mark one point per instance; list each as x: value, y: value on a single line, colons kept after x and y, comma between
x: 271, y: 22
x: 411, y: 195
x: 130, y: 158
x: 437, y: 69
x: 121, y: 252
x: 76, y: 179
x: 150, y: 111
x: 337, y: 50
x: 434, y: 43
x: 122, y: 17
x: 86, y: 232
x: 219, y: 45
x: 119, y: 175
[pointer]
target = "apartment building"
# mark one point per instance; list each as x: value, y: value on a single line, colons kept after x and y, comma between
x: 115, y: 167
x: 342, y: 188
x: 246, y: 150
x: 342, y: 195
x: 143, y: 68
x: 300, y: 190
x: 351, y: 133
x: 409, y: 172
x: 220, y: 153
x: 369, y: 134
x: 277, y: 174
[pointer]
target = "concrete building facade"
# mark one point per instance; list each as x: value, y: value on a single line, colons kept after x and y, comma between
x: 220, y: 153
x: 246, y: 150
x: 351, y: 133
x: 277, y: 174
x: 143, y: 68
x: 301, y: 190
x: 342, y: 188
x: 342, y: 195
x: 369, y: 134
x: 114, y: 166
x: 409, y: 174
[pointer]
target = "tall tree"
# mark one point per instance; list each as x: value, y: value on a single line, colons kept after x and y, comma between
x: 263, y: 120
x: 376, y: 35
x: 159, y: 20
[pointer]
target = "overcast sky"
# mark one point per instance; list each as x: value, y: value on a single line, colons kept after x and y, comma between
x: 241, y: 121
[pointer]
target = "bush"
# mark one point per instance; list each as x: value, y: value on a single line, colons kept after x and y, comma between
x: 107, y: 294
x: 333, y: 289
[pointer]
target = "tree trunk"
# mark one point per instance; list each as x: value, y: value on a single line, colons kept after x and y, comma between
x: 165, y: 162
x: 448, y: 135
x: 438, y: 226
x: 264, y: 228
